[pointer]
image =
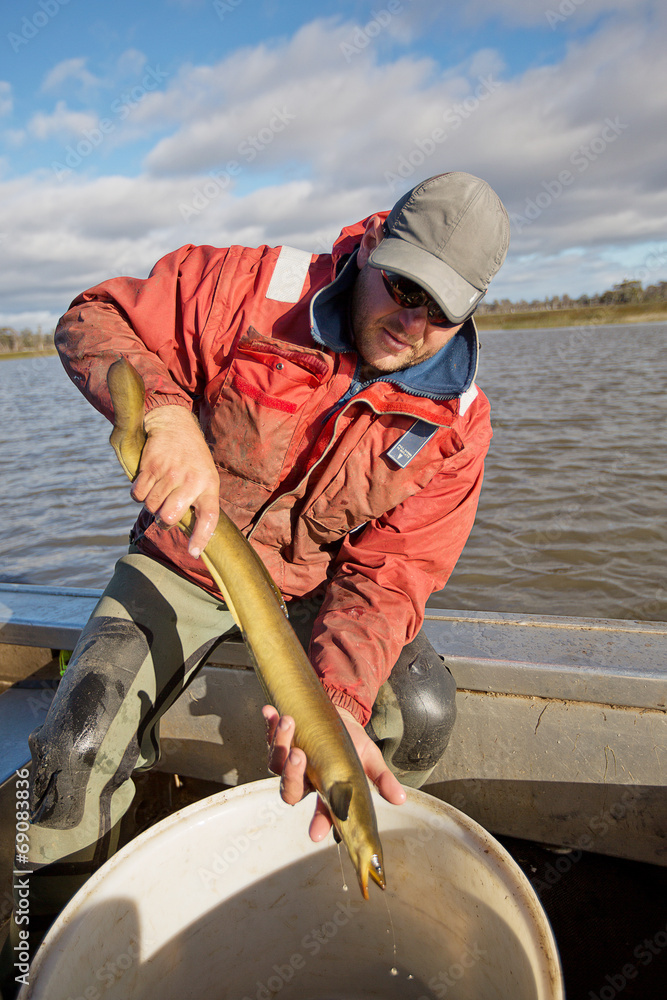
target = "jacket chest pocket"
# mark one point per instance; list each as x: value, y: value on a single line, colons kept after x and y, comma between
x: 255, y: 412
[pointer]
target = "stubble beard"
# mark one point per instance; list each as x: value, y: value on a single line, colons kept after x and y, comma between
x: 368, y: 333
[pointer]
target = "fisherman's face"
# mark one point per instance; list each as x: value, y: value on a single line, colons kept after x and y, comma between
x: 387, y: 336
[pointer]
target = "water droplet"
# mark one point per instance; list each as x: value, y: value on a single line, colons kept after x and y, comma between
x: 342, y: 873
x: 393, y: 971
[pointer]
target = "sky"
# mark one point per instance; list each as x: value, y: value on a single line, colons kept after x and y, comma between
x: 129, y: 129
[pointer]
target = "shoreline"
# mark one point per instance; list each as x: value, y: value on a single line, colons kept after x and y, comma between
x: 7, y: 355
x: 544, y: 319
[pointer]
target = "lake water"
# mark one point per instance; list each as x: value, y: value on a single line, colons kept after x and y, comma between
x: 572, y: 519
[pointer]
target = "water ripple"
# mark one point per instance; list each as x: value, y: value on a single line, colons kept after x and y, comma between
x: 571, y: 519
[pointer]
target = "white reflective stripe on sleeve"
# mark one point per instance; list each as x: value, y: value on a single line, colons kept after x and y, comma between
x: 289, y: 275
x: 468, y: 397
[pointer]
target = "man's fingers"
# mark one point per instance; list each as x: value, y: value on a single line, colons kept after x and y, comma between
x: 390, y: 788
x: 142, y: 486
x: 271, y: 719
x: 180, y: 500
x: 177, y: 473
x: 281, y: 742
x: 287, y: 761
x: 290, y: 763
x: 153, y: 492
x: 377, y: 771
x: 284, y: 759
x: 170, y: 504
x: 293, y: 785
x: 174, y: 506
x: 373, y: 762
x: 207, y: 512
x: 320, y: 824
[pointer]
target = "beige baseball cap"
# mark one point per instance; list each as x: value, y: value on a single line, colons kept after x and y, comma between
x: 449, y: 234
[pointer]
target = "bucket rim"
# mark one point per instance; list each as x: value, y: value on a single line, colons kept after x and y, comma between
x: 471, y: 834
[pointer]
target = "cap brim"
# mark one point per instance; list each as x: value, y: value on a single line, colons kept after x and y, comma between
x: 455, y: 296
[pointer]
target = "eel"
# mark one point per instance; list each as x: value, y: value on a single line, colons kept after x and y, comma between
x: 284, y: 671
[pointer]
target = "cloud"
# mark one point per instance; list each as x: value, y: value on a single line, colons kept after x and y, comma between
x: 319, y: 140
x: 339, y: 108
x: 130, y: 64
x: 70, y: 70
x: 62, y: 122
x: 383, y: 127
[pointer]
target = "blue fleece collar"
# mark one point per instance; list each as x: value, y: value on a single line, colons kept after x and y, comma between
x: 444, y: 376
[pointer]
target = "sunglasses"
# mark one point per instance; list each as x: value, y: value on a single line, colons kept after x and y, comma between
x: 410, y: 295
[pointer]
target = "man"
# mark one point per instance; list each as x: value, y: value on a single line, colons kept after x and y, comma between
x: 327, y: 404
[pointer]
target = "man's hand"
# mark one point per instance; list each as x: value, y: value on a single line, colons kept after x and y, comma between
x: 290, y: 763
x: 176, y: 472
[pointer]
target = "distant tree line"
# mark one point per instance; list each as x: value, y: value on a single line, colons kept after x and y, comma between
x: 13, y: 341
x: 627, y: 292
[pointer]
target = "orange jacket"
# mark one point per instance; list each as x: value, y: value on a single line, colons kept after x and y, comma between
x: 227, y: 333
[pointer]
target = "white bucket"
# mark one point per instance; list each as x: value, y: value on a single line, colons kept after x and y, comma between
x: 228, y: 899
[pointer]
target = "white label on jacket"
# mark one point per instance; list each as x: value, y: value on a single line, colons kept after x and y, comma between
x: 289, y: 275
x: 468, y: 397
